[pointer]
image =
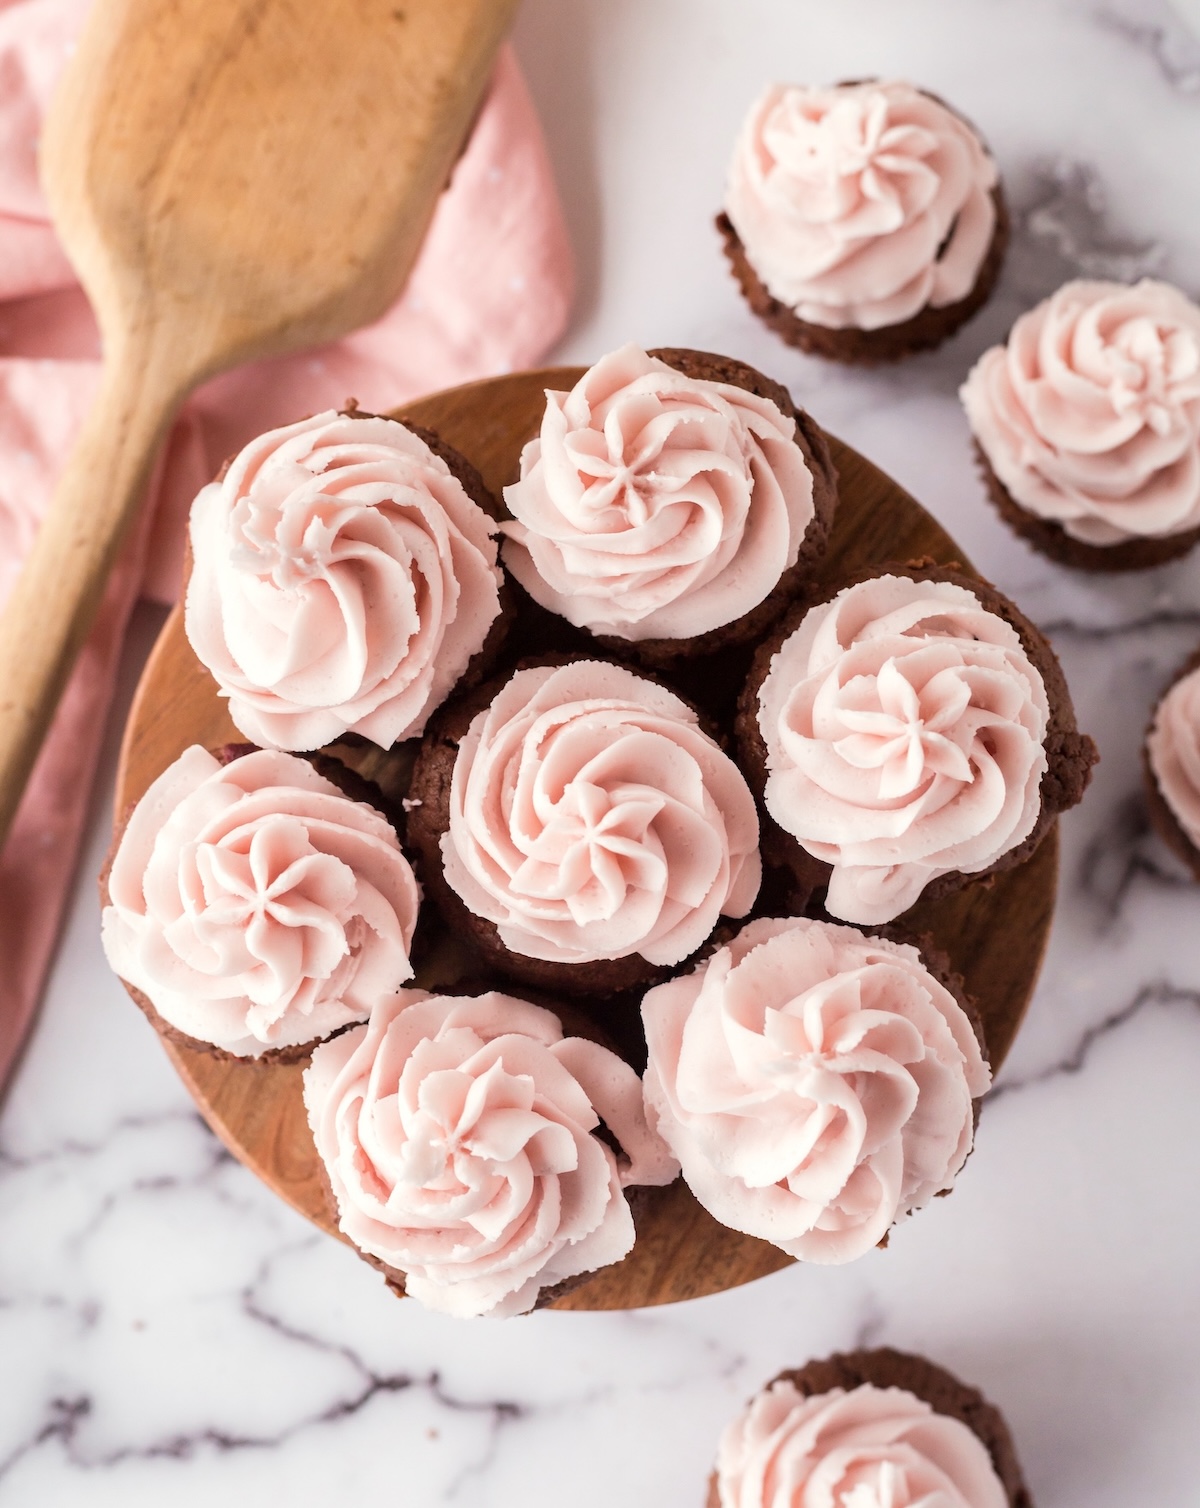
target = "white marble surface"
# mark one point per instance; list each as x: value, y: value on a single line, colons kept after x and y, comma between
x: 170, y: 1333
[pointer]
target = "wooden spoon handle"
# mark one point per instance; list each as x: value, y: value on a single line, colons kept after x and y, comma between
x: 55, y: 598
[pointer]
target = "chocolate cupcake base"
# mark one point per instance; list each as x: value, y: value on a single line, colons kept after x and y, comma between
x: 1052, y: 540
x: 926, y: 329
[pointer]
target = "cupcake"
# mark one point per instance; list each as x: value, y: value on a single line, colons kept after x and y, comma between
x: 1171, y: 765
x: 817, y: 1085
x: 671, y: 505
x: 863, y: 221
x: 868, y: 1429
x: 1087, y: 425
x: 910, y: 734
x: 343, y: 580
x: 476, y: 1154
x: 578, y: 824
x: 254, y: 908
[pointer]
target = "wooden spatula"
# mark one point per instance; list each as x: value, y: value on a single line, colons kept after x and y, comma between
x: 232, y: 179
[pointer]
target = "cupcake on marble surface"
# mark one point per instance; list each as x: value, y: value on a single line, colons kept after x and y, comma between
x: 863, y: 221
x: 462, y: 1142
x: 817, y: 1085
x: 252, y: 907
x: 1087, y: 425
x: 343, y: 580
x: 1171, y: 765
x: 909, y: 735
x: 868, y: 1429
x: 581, y: 827
x: 673, y: 503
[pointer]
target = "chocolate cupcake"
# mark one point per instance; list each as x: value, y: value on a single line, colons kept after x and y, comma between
x: 672, y: 504
x: 478, y: 1155
x: 252, y: 907
x: 863, y: 222
x: 1171, y: 765
x: 816, y: 1084
x: 871, y: 1427
x: 580, y: 827
x: 910, y: 734
x: 343, y: 579
x: 1087, y: 425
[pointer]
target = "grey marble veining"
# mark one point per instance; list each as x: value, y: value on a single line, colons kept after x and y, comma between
x: 169, y: 1332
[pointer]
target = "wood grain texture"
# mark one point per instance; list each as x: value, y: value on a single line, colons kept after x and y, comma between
x: 231, y: 179
x: 995, y: 934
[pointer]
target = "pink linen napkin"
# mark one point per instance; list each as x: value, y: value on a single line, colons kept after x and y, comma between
x: 490, y: 293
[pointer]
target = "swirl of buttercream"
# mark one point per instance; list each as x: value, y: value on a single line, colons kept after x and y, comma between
x: 870, y: 1447
x: 591, y: 818
x: 341, y: 581
x: 656, y: 505
x: 459, y: 1136
x: 255, y: 906
x: 860, y: 205
x: 815, y: 1084
x: 1173, y: 752
x: 1090, y: 414
x: 904, y: 727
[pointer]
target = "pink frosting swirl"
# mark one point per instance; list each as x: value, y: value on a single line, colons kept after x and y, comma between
x: 655, y: 505
x: 255, y: 905
x: 459, y: 1136
x: 861, y: 204
x: 1173, y: 750
x: 1090, y: 415
x: 341, y: 581
x: 904, y: 726
x: 868, y: 1448
x: 591, y: 818
x: 815, y: 1084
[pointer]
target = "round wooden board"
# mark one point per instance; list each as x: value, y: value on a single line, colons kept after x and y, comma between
x: 995, y: 934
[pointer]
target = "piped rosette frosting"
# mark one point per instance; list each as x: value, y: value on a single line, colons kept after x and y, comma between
x: 860, y: 205
x: 816, y: 1084
x: 864, y: 1447
x: 1089, y: 416
x: 591, y: 818
x: 342, y: 580
x: 1173, y: 756
x: 657, y: 505
x: 460, y: 1138
x: 904, y: 727
x: 256, y: 907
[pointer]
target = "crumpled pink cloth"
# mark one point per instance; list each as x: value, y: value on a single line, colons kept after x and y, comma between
x: 490, y: 293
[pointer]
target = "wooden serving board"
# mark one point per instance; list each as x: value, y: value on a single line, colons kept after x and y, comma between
x: 994, y: 934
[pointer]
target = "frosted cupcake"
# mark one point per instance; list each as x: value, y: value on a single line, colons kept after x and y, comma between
x: 817, y: 1085
x: 1171, y: 765
x: 578, y: 824
x: 910, y: 734
x: 1087, y: 425
x: 872, y: 1429
x: 673, y: 503
x: 343, y: 580
x: 476, y: 1154
x: 863, y: 221
x: 252, y: 907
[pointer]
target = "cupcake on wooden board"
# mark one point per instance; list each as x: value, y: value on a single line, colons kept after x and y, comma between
x: 863, y: 221
x: 1087, y: 425
x: 252, y: 907
x: 343, y: 579
x: 1171, y: 765
x: 578, y: 824
x: 462, y: 1142
x: 909, y: 735
x: 673, y: 503
x: 817, y: 1085
x: 868, y: 1429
